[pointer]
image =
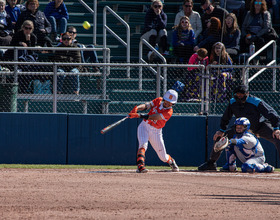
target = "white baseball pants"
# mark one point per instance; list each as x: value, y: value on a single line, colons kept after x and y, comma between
x: 145, y: 133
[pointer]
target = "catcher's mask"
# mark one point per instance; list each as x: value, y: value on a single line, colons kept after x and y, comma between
x: 243, y: 90
x: 243, y: 121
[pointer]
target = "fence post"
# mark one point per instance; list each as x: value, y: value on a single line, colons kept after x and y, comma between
x: 158, y: 82
x: 54, y: 88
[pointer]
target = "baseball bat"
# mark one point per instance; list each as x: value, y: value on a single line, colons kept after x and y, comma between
x: 111, y: 126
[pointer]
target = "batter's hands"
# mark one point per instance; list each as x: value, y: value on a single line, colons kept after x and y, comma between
x: 276, y: 134
x: 218, y: 134
x: 133, y: 115
x: 134, y: 110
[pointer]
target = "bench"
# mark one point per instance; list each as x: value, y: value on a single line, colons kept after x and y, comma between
x: 66, y: 98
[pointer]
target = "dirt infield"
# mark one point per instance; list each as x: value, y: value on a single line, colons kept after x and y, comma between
x: 107, y: 194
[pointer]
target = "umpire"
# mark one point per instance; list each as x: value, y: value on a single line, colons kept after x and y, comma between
x: 264, y: 122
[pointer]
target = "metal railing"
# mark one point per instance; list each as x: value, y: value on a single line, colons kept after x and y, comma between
x: 141, y: 60
x: 94, y: 14
x: 261, y: 87
x: 118, y: 94
x: 106, y: 28
x: 246, y: 79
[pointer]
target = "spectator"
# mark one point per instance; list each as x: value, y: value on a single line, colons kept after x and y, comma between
x: 247, y: 148
x: 57, y: 14
x: 183, y: 39
x: 234, y: 6
x: 200, y: 57
x: 276, y: 11
x: 68, y: 56
x: 42, y: 26
x: 155, y: 28
x: 231, y: 35
x: 194, y: 17
x: 211, y: 11
x: 221, y: 78
x: 257, y: 26
x: 192, y: 90
x: 86, y: 56
x: 6, y: 29
x: 21, y: 5
x: 13, y: 11
x: 24, y: 38
x: 212, y: 34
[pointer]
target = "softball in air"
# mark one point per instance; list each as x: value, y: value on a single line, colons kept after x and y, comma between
x: 86, y: 25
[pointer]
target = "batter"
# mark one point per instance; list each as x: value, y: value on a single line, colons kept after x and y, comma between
x: 150, y: 129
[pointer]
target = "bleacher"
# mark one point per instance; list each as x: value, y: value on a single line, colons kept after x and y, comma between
x: 123, y: 92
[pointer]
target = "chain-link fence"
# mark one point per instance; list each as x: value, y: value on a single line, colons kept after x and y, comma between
x: 105, y: 88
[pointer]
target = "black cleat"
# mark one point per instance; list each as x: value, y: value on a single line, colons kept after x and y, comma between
x: 209, y: 165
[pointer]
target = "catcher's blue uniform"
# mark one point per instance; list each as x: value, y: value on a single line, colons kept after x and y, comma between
x: 249, y: 151
x: 264, y: 120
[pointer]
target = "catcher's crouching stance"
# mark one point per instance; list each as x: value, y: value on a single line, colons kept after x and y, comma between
x: 244, y: 146
x: 150, y: 129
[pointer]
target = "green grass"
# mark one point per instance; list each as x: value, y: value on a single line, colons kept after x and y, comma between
x: 58, y: 166
x: 105, y: 167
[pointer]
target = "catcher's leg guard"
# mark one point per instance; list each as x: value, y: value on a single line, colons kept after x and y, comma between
x: 141, y: 161
x: 268, y: 168
x: 230, y: 165
x: 248, y: 168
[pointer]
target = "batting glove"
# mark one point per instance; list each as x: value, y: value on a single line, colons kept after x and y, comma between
x: 134, y: 115
x: 134, y: 110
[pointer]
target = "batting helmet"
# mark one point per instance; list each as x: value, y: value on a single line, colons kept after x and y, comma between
x: 243, y: 121
x: 171, y: 96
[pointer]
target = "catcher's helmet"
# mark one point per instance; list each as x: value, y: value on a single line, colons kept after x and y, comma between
x: 243, y: 121
x: 171, y: 96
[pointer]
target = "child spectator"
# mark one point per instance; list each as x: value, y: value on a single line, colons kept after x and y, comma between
x: 193, y: 80
x: 13, y: 11
x: 57, y: 14
x: 155, y: 28
x: 200, y: 57
x: 231, y: 35
x: 221, y: 79
x: 194, y: 17
x: 183, y: 39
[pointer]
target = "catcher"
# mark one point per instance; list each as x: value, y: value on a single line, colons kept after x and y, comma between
x: 263, y: 118
x: 246, y: 147
x: 150, y: 129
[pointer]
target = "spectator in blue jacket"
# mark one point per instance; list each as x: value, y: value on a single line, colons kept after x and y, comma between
x: 13, y: 11
x: 231, y: 35
x: 155, y: 28
x: 6, y: 30
x: 183, y: 39
x: 57, y: 14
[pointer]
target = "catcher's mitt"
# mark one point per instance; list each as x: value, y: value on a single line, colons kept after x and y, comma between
x: 221, y: 144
